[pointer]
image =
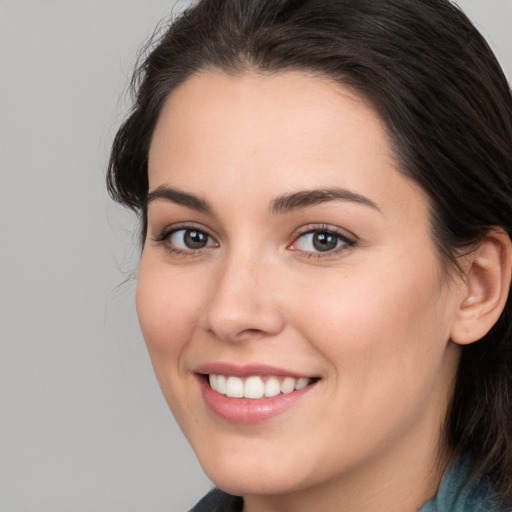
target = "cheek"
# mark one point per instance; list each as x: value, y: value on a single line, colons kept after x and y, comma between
x: 384, y: 338
x: 168, y: 312
x: 377, y: 326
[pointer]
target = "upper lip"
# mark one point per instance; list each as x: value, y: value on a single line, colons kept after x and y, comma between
x: 248, y: 370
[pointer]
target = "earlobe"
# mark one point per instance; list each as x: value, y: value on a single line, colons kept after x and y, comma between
x: 486, y: 289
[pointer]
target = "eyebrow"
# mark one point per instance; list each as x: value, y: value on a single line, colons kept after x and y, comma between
x: 179, y: 197
x: 305, y: 198
x: 282, y: 204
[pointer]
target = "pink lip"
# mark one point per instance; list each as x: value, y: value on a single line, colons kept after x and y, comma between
x: 247, y: 370
x: 247, y: 411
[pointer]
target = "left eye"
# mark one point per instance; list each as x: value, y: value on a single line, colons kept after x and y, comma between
x: 320, y: 241
x: 189, y: 239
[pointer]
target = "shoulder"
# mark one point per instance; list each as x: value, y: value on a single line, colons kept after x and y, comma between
x: 218, y: 501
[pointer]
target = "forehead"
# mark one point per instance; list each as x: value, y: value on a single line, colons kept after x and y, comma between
x: 259, y: 132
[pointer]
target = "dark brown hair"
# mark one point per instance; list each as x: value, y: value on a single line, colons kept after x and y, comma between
x: 447, y: 107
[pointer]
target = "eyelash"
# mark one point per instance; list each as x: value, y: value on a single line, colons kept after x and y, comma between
x: 347, y: 242
x: 164, y: 237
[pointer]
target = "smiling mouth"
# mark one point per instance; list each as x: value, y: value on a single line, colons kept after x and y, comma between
x: 256, y: 387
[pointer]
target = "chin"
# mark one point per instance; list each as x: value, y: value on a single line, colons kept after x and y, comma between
x: 253, y: 483
x: 243, y: 474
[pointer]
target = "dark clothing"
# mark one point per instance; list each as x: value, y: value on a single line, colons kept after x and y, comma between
x: 218, y: 501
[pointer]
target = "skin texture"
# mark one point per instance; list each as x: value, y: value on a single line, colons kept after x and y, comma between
x: 372, y: 320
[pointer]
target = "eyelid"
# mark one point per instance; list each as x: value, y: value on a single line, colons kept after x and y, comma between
x: 349, y: 240
x: 163, y: 236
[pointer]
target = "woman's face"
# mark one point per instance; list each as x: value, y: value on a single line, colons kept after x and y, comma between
x: 285, y: 250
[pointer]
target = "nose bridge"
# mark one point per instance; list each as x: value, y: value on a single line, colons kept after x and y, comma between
x: 243, y: 302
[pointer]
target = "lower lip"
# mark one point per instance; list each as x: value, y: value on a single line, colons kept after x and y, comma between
x: 249, y: 411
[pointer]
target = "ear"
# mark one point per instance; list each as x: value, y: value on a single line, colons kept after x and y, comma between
x: 486, y: 287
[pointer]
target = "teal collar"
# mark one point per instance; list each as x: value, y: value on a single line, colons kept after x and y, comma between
x: 460, y: 491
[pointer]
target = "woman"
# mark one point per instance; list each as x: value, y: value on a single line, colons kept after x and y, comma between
x: 326, y: 201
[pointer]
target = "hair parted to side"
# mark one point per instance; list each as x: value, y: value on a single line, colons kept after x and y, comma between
x: 447, y: 107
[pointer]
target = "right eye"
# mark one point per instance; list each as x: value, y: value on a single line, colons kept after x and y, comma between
x: 190, y: 239
x: 186, y: 240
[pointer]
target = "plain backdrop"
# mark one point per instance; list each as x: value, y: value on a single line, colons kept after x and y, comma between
x: 83, y: 427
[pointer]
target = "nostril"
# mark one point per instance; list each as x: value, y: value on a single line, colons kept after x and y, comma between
x: 253, y: 333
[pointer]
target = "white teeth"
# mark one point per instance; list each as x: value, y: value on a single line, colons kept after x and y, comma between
x: 272, y: 387
x: 221, y: 384
x: 235, y: 387
x: 254, y: 387
x: 301, y: 384
x: 288, y: 385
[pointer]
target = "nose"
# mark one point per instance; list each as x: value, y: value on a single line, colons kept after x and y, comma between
x: 244, y: 300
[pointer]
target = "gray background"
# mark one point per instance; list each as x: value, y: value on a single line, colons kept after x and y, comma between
x: 82, y: 424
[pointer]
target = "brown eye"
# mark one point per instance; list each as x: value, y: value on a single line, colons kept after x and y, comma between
x: 321, y: 240
x: 190, y: 239
x: 318, y: 241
